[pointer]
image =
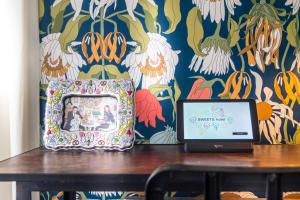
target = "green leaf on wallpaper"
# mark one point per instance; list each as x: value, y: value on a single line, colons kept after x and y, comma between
x: 177, y: 91
x: 196, y: 77
x: 71, y: 31
x: 158, y: 88
x: 173, y: 14
x: 43, y: 87
x: 195, y: 30
x: 292, y: 33
x: 57, y: 14
x: 114, y: 73
x: 94, y: 73
x: 41, y: 8
x: 234, y: 33
x: 151, y: 12
x: 296, y: 137
x: 282, y: 12
x: 136, y: 31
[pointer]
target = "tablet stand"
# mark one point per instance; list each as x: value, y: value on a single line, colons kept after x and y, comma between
x: 218, y: 147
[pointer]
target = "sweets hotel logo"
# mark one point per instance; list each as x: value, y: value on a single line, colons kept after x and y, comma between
x: 212, y: 119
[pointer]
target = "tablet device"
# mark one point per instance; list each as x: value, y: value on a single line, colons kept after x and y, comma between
x: 217, y: 121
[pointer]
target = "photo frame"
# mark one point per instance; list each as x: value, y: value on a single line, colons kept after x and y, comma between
x: 89, y: 114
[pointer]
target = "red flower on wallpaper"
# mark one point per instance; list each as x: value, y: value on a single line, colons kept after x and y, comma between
x: 198, y: 92
x: 147, y: 108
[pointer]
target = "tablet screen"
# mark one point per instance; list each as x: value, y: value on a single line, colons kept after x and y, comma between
x: 217, y: 121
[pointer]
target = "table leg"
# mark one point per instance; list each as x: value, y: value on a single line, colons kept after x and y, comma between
x: 69, y: 195
x: 23, y: 191
x: 212, y: 186
x: 273, y: 190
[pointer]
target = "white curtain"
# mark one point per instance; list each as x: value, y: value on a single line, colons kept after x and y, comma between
x: 19, y: 81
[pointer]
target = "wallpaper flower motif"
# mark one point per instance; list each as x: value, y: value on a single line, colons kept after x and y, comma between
x: 147, y: 108
x: 199, y: 91
x: 295, y: 4
x: 154, y: 66
x: 58, y: 64
x: 296, y: 62
x: 174, y: 49
x: 216, y: 58
x: 270, y: 113
x: 76, y: 5
x: 167, y: 136
x: 216, y: 9
x: 96, y: 5
x: 264, y: 36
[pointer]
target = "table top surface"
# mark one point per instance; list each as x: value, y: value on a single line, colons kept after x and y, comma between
x: 143, y: 159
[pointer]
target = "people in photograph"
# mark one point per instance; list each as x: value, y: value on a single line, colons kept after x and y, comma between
x: 108, y: 118
x: 75, y: 123
x: 73, y: 119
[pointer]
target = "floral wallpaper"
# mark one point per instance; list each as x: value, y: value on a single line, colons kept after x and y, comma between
x: 177, y: 49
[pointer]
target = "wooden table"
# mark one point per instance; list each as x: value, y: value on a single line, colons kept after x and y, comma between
x: 45, y: 170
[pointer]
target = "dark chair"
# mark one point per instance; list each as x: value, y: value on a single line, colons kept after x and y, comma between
x: 211, y: 181
x: 180, y: 178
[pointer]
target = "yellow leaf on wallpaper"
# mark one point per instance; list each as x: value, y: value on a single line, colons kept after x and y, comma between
x: 151, y: 12
x: 136, y: 31
x: 234, y: 33
x: 292, y: 33
x: 71, y: 31
x: 114, y: 73
x: 94, y: 73
x: 173, y: 14
x: 57, y: 14
x: 41, y: 8
x: 158, y: 88
x: 296, y: 138
x: 195, y: 30
x: 177, y: 91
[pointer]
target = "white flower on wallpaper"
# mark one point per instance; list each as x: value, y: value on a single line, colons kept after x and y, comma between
x: 76, y: 5
x: 295, y: 4
x: 296, y: 62
x: 270, y: 113
x: 216, y: 8
x: 154, y: 66
x: 131, y: 5
x: 55, y: 62
x: 217, y: 58
x: 168, y: 136
x: 105, y: 194
x: 96, y: 5
x: 274, y: 44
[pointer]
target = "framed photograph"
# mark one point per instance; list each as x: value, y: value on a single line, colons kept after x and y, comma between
x: 90, y: 114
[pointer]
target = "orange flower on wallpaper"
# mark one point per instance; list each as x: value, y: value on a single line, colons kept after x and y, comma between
x: 115, y: 47
x: 92, y: 45
x: 263, y: 36
x: 287, y: 87
x: 95, y: 48
x: 237, y: 82
x: 57, y: 196
x: 271, y: 114
x: 147, y: 108
x: 296, y: 62
x: 199, y: 91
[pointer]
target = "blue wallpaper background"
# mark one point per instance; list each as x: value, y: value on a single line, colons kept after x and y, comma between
x: 160, y: 52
